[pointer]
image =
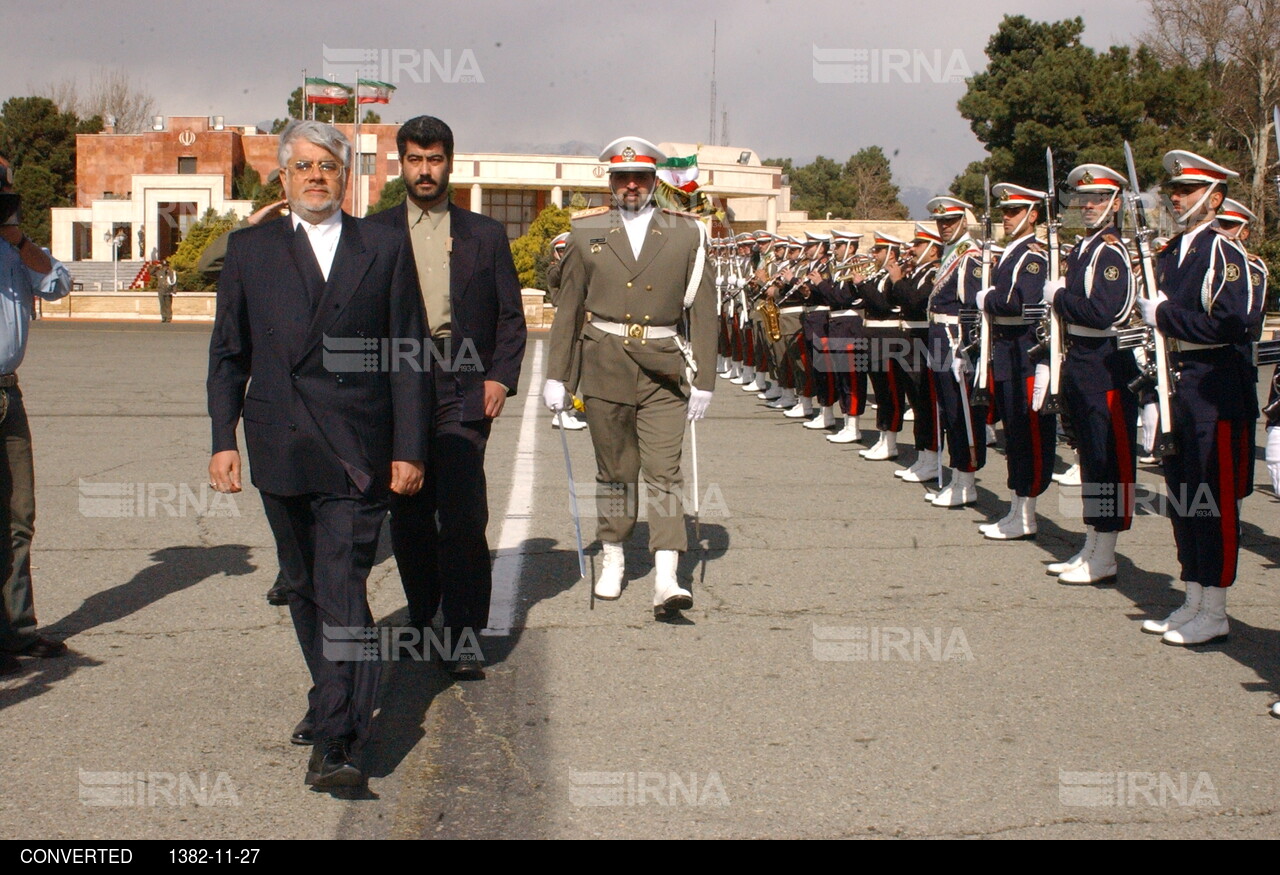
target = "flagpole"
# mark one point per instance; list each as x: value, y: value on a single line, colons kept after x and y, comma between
x: 302, y: 104
x: 355, y: 104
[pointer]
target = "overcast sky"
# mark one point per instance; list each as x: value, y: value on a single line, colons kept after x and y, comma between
x: 798, y: 79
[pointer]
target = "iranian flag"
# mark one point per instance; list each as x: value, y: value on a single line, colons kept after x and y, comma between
x: 681, y: 173
x: 372, y: 91
x: 325, y: 92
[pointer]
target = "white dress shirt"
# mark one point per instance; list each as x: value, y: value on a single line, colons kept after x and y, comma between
x: 323, y: 238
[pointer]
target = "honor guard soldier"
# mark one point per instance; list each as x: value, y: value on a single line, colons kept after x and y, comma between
x: 566, y: 419
x: 640, y: 273
x: 1203, y: 309
x: 846, y: 338
x: 1029, y: 435
x: 912, y: 284
x: 885, y: 342
x: 817, y: 254
x: 765, y: 385
x: 957, y: 284
x: 1093, y: 301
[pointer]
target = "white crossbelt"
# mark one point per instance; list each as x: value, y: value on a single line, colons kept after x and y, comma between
x: 1086, y: 331
x: 634, y: 330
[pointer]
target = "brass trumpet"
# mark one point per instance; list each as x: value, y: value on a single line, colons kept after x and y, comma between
x: 859, y: 265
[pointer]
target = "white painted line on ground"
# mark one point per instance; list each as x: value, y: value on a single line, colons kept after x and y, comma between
x: 515, y: 525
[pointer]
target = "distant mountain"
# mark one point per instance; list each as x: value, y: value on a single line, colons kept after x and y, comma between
x: 915, y: 198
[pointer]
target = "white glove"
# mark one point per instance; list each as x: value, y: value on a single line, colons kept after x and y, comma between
x: 1273, y: 457
x: 1052, y: 288
x: 1041, y: 387
x: 553, y: 395
x: 1149, y: 306
x: 699, y: 401
x: 981, y: 298
x: 959, y: 366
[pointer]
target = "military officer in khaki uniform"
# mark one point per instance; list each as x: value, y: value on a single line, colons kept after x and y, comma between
x: 641, y: 274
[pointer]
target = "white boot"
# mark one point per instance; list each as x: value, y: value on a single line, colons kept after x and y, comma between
x: 1090, y: 539
x: 737, y: 375
x: 668, y: 595
x: 874, y: 447
x: 566, y: 420
x: 886, y: 448
x: 1069, y: 477
x: 991, y: 435
x: 1100, y: 567
x: 759, y: 382
x: 826, y: 418
x: 1209, y: 623
x: 910, y: 415
x: 1180, y: 617
x: 803, y: 409
x: 609, y: 583
x: 925, y: 468
x: 1021, y: 524
x: 785, y: 401
x: 849, y: 433
x: 722, y: 366
x: 749, y: 379
x: 1015, y: 501
x: 962, y: 490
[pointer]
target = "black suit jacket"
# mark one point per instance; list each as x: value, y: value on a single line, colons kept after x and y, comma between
x: 319, y: 416
x: 484, y: 296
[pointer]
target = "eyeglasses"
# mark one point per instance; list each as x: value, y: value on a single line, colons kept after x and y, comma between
x: 328, y: 168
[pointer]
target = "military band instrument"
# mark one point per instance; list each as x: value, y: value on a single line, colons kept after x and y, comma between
x: 981, y: 395
x: 1157, y: 365
x: 1053, y: 399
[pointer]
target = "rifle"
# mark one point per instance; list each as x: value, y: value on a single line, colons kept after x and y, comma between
x: 981, y: 395
x: 1053, y: 401
x: 1158, y: 363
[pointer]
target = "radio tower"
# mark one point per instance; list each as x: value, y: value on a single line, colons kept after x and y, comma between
x: 724, y: 128
x: 711, y: 133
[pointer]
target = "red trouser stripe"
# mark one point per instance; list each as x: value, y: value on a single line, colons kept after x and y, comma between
x: 895, y: 422
x: 804, y: 366
x: 1124, y: 453
x: 1037, y: 444
x: 829, y: 374
x: 1227, y: 489
x: 991, y: 393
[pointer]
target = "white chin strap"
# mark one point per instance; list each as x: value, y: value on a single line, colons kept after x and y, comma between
x: 1194, y: 210
x: 1107, y: 213
x: 1018, y: 229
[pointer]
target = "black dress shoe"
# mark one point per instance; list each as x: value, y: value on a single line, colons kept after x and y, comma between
x: 331, y: 766
x: 278, y: 595
x: 304, y: 732
x: 44, y: 648
x: 467, y: 667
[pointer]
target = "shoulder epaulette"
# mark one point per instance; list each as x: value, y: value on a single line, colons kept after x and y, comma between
x: 671, y: 212
x: 1255, y: 258
x: 1112, y: 239
x: 586, y: 214
x: 1037, y: 247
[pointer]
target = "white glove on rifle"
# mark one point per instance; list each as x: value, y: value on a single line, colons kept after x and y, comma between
x: 553, y: 395
x: 1052, y: 288
x: 1273, y: 457
x: 699, y: 401
x: 1041, y: 387
x: 1149, y: 306
x: 959, y: 366
x: 980, y: 299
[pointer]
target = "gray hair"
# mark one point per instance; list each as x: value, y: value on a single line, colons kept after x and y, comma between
x: 320, y: 134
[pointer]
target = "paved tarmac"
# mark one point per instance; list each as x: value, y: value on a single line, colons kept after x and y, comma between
x: 857, y: 664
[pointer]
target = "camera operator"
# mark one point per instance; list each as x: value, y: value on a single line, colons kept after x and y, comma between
x: 26, y: 270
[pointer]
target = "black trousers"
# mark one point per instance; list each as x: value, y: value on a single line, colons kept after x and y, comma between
x: 326, y: 546
x: 438, y: 535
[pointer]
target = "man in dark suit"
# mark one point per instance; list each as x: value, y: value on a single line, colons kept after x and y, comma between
x: 328, y: 441
x: 476, y: 321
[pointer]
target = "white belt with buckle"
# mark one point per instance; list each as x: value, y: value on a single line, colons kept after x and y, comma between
x: 1188, y: 346
x: 789, y: 311
x: 883, y: 323
x: 846, y: 312
x: 1009, y: 320
x: 914, y: 324
x: 943, y: 319
x: 819, y: 308
x: 1086, y: 331
x: 635, y: 330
